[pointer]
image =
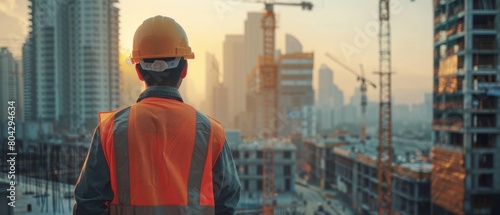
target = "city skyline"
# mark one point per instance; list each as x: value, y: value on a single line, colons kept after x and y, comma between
x: 326, y: 22
x: 292, y: 117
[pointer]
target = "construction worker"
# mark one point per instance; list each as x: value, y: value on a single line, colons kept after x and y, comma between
x: 159, y: 155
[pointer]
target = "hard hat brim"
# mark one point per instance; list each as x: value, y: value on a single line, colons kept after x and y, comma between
x: 135, y: 60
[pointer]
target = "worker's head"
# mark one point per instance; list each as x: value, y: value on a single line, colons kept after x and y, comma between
x: 160, y: 51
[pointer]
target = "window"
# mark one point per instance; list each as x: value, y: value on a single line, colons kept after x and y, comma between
x: 484, y: 4
x: 485, y: 180
x: 484, y: 120
x: 288, y: 185
x: 424, y: 189
x: 486, y: 161
x: 483, y: 22
x: 481, y: 200
x: 259, y: 185
x: 483, y: 140
x: 246, y: 154
x: 259, y: 169
x: 259, y: 154
x: 287, y: 154
x: 246, y: 187
x: 287, y: 169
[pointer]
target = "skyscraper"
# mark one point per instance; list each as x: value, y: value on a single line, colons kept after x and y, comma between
x: 292, y: 44
x: 211, y: 81
x: 325, y: 102
x: 466, y: 152
x: 330, y: 100
x: 234, y: 76
x: 220, y: 103
x: 29, y: 81
x: 72, y: 62
x: 428, y: 107
x: 355, y: 101
x: 294, y: 90
x: 254, y: 41
x: 9, y: 84
x: 338, y: 105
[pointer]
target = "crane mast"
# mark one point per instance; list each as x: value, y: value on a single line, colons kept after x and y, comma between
x: 269, y: 81
x: 269, y: 78
x: 363, y: 88
x: 384, y: 158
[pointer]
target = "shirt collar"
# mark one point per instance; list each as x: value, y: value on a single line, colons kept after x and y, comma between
x: 166, y: 92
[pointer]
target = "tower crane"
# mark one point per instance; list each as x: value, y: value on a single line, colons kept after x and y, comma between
x: 269, y: 84
x: 361, y: 77
x: 384, y: 157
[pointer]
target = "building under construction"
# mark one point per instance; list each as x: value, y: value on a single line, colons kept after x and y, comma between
x: 318, y: 160
x: 466, y: 155
x: 248, y: 157
x: 356, y: 178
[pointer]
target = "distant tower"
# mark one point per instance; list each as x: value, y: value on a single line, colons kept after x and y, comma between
x: 292, y: 44
x: 211, y: 82
x: 325, y: 99
x: 253, y: 40
x: 9, y: 84
x: 234, y: 81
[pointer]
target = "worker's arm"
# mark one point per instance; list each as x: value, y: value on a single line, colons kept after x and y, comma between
x: 93, y: 188
x: 226, y: 183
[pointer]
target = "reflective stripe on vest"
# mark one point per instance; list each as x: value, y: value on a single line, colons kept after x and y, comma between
x: 161, y: 210
x: 150, y: 171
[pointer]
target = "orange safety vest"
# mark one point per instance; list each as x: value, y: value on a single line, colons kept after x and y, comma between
x: 160, y: 154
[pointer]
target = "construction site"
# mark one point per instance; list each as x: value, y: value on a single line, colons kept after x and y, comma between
x: 287, y: 159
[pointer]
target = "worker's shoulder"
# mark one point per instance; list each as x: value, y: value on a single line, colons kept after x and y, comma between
x: 214, y: 124
x: 106, y: 116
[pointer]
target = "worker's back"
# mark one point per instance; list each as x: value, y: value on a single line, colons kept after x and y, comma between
x: 164, y: 151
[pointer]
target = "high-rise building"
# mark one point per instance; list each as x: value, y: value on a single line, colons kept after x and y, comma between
x: 309, y: 121
x: 254, y: 117
x: 220, y: 104
x: 9, y: 84
x: 211, y: 81
x: 292, y: 44
x: 254, y: 42
x: 330, y: 101
x: 466, y: 152
x: 325, y: 102
x: 355, y: 101
x: 234, y: 76
x: 295, y: 90
x: 428, y: 107
x: 29, y: 81
x: 338, y: 104
x: 325, y: 81
x: 72, y: 62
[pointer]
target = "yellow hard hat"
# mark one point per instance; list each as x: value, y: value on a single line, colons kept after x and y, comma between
x: 160, y: 37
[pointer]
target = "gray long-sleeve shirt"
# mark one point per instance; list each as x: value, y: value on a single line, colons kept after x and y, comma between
x: 93, y: 190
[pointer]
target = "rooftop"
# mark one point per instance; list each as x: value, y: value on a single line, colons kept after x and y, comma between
x: 277, y: 144
x: 407, y: 154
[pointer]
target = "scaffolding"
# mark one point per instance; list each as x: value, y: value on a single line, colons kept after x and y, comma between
x: 448, y: 175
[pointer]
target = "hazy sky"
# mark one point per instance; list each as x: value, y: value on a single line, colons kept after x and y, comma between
x: 346, y: 29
